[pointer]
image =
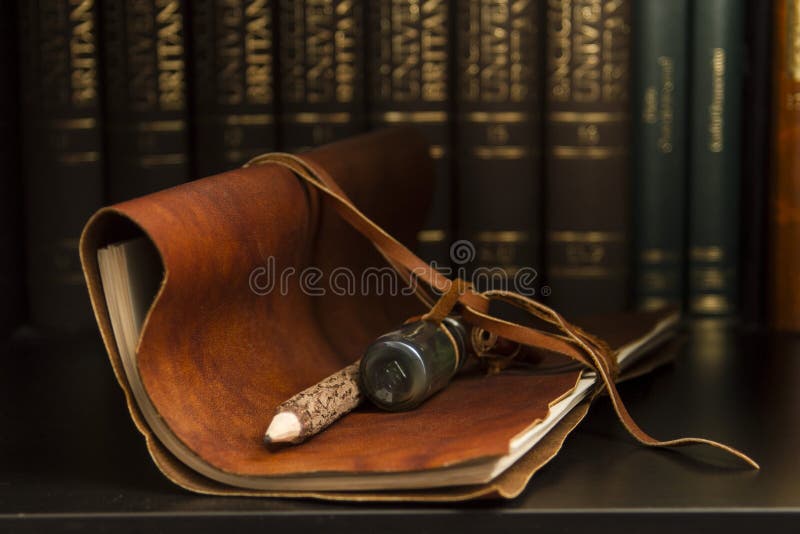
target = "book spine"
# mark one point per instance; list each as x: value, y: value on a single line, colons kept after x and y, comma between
x: 62, y: 153
x: 784, y: 265
x: 233, y: 85
x: 660, y: 77
x: 587, y: 138
x: 715, y: 167
x: 146, y: 97
x: 409, y: 83
x: 12, y: 308
x: 756, y: 161
x: 498, y: 134
x: 321, y: 65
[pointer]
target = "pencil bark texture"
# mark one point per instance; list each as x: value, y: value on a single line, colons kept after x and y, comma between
x: 325, y: 402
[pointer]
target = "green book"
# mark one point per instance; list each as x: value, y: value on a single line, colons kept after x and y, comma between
x: 660, y: 76
x: 715, y: 167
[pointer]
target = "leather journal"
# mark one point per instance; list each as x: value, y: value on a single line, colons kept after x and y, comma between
x: 228, y: 328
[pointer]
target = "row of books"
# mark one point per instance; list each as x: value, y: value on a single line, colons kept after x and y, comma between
x: 597, y: 141
x: 715, y: 183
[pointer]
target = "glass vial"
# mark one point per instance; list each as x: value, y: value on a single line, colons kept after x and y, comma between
x: 403, y: 368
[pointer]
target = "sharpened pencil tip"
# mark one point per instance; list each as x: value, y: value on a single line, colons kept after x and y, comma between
x: 284, y: 428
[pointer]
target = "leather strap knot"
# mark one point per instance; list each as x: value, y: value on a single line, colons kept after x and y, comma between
x: 443, y: 308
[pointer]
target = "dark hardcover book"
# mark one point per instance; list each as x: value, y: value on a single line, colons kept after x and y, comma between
x: 756, y: 160
x: 233, y: 82
x: 784, y: 194
x: 715, y: 164
x: 498, y: 133
x: 144, y: 53
x: 587, y: 139
x: 12, y: 307
x: 321, y: 71
x: 660, y: 72
x: 409, y: 83
x: 62, y: 153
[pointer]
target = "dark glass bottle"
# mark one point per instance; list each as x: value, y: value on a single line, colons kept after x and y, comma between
x: 403, y: 368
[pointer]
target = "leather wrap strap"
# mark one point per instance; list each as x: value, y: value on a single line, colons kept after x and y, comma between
x: 442, y: 295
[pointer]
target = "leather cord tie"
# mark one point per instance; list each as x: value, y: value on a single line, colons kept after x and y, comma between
x: 571, y: 341
x: 442, y: 309
x: 445, y: 304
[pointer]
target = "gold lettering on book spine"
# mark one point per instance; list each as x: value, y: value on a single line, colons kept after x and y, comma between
x: 497, y: 59
x: 650, y: 105
x: 244, y: 48
x: 716, y: 109
x: 291, y: 52
x: 83, y: 52
x: 400, y: 53
x: 413, y: 55
x: 258, y: 52
x: 712, y: 304
x: 587, y: 65
x: 667, y: 107
x: 793, y: 39
x: 320, y: 49
x: 66, y: 60
x: 230, y: 52
x: 587, y: 51
x: 586, y: 46
x: 616, y: 51
x: 140, y: 51
x: 434, y: 50
x: 559, y: 57
x: 83, y: 123
x: 170, y: 55
x: 53, y: 52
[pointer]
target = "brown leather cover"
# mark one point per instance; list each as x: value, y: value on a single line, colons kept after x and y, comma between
x: 215, y: 358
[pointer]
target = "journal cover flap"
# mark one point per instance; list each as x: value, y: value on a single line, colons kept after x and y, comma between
x: 218, y: 352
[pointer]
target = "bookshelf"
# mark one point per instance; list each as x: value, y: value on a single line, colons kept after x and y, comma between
x: 70, y: 459
x: 73, y: 461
